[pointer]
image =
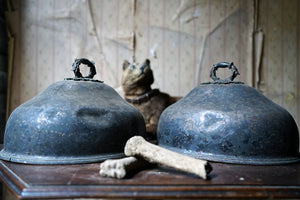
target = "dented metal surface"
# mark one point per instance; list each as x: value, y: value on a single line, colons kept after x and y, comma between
x: 72, y: 121
x: 230, y: 122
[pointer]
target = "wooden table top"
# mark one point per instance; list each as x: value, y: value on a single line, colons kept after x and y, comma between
x: 83, y: 181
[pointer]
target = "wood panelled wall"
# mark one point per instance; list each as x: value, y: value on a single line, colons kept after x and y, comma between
x: 280, y: 67
x: 182, y: 38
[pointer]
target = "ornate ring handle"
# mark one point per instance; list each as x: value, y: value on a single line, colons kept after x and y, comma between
x: 231, y: 66
x: 76, y: 69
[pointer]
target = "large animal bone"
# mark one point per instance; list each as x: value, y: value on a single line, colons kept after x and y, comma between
x: 138, y: 146
x: 119, y: 168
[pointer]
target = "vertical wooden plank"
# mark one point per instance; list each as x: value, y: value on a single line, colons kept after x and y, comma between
x: 275, y: 51
x: 179, y: 65
x: 298, y: 63
x: 172, y: 48
x: 239, y: 49
x: 36, y: 54
x: 53, y: 64
x: 263, y: 23
x: 289, y: 56
x: 100, y: 32
x: 67, y: 47
x: 164, y: 46
x: 17, y: 66
x: 282, y: 44
x: 279, y: 65
x: 193, y: 22
x: 29, y: 51
x: 142, y: 30
x: 209, y: 29
x: 194, y: 46
x: 109, y: 42
x: 156, y: 41
x: 224, y: 32
x: 44, y: 45
x: 148, y: 28
x: 267, y: 47
x: 117, y: 45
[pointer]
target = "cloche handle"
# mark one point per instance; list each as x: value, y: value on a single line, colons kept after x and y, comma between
x: 76, y: 69
x: 77, y: 73
x: 228, y: 65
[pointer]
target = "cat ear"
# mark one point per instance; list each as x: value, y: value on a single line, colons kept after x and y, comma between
x: 125, y: 64
x: 147, y: 62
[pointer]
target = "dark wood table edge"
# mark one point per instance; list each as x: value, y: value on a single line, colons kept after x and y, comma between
x: 11, y: 180
x: 22, y: 190
x: 159, y: 192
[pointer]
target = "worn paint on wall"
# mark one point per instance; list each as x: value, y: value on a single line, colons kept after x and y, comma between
x: 280, y: 69
x: 182, y: 38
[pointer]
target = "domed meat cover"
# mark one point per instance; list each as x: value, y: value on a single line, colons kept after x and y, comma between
x: 78, y: 120
x: 228, y: 121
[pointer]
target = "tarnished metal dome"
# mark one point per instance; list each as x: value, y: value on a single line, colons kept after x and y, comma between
x: 228, y: 121
x: 78, y: 120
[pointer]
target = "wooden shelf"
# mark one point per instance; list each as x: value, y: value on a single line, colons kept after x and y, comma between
x: 83, y: 181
